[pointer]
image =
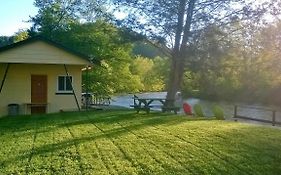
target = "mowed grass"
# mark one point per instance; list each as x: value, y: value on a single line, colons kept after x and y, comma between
x: 123, y: 142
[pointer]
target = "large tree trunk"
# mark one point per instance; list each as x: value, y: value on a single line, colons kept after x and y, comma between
x: 179, y: 51
x: 175, y: 79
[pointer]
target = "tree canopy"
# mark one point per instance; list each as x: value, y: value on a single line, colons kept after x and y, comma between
x: 87, y: 27
x: 179, y: 24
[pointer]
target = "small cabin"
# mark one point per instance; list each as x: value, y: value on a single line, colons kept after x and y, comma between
x: 40, y: 76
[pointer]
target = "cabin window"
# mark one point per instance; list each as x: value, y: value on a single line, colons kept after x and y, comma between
x: 63, y: 84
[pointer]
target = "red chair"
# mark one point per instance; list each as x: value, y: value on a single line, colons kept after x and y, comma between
x: 187, y: 109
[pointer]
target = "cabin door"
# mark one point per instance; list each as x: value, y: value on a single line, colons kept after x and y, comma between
x: 38, y: 94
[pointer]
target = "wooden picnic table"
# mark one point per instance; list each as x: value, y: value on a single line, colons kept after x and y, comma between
x: 145, y: 104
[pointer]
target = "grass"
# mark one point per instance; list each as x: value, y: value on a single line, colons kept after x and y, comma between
x: 123, y: 142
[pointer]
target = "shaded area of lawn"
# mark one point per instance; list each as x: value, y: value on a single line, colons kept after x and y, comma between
x: 123, y: 142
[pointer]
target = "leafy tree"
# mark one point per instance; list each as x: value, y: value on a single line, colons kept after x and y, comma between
x: 5, y: 40
x: 81, y: 25
x: 242, y: 66
x: 104, y: 42
x: 54, y: 15
x: 146, y: 49
x: 182, y: 21
x: 264, y: 64
x: 161, y: 69
x: 20, y: 35
x: 150, y: 73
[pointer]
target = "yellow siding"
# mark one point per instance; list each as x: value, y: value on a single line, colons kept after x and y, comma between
x: 40, y: 52
x: 17, y: 88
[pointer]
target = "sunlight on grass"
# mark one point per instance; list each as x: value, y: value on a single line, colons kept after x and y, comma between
x: 123, y: 142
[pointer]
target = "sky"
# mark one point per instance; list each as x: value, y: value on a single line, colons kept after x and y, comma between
x: 13, y: 14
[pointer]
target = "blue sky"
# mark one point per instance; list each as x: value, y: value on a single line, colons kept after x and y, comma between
x: 13, y: 13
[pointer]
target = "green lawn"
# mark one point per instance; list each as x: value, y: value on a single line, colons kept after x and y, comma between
x: 123, y: 142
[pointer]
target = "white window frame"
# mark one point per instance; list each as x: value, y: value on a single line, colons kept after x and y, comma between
x: 66, y: 77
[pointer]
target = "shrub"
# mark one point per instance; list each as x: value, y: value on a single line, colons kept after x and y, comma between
x: 218, y: 112
x: 198, y: 111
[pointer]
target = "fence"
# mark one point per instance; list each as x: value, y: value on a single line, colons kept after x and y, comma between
x: 269, y: 115
x: 94, y: 99
x: 101, y: 100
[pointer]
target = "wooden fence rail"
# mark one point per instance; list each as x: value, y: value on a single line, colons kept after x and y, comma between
x: 101, y: 100
x: 273, y: 117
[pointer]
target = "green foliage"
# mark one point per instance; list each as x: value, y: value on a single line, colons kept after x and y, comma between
x: 181, y: 26
x: 6, y: 40
x: 151, y: 72
x: 198, y: 110
x: 109, y: 80
x: 119, y: 72
x: 141, y: 66
x: 218, y: 112
x: 55, y: 15
x: 225, y: 70
x: 145, y: 49
x: 20, y: 35
x: 161, y: 69
x: 103, y: 41
x: 190, y: 84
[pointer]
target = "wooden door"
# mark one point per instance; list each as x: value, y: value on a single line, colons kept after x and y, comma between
x: 38, y: 94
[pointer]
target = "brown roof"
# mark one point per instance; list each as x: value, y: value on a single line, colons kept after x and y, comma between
x: 41, y: 38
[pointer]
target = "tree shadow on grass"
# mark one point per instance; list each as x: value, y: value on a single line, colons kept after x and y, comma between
x: 101, y: 134
x: 33, y: 122
x: 26, y: 125
x: 50, y: 123
x: 132, y: 120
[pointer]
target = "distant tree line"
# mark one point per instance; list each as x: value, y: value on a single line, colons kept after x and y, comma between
x: 18, y: 36
x: 241, y: 66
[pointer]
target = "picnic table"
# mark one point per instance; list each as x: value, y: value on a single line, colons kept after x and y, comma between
x: 145, y: 104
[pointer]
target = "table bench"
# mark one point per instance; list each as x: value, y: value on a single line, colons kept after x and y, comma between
x: 169, y: 109
x: 141, y: 108
x: 30, y: 105
x: 145, y: 104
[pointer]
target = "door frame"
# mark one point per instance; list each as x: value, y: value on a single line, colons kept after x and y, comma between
x: 42, y: 105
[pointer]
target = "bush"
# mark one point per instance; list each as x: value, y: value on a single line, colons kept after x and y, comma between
x: 218, y: 112
x: 198, y: 111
